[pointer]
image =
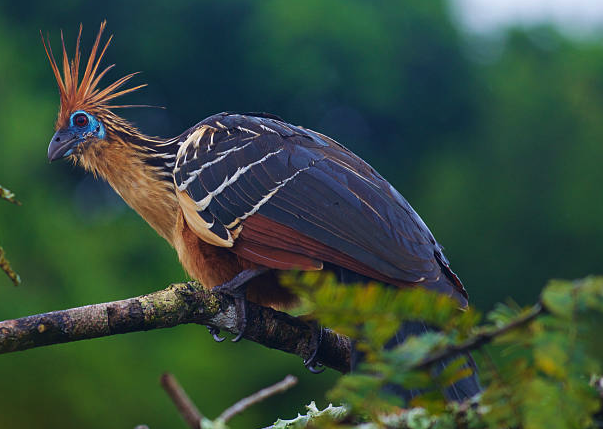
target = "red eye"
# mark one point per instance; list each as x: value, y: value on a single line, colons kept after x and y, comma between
x: 80, y: 120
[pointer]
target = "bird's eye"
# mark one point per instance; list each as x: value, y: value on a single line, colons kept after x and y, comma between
x: 80, y: 120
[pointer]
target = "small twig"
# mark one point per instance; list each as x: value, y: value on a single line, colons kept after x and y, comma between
x: 7, y: 195
x: 285, y: 384
x: 187, y: 409
x: 5, y: 266
x: 482, y: 338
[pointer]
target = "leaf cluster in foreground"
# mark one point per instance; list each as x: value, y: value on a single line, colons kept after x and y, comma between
x: 539, y: 366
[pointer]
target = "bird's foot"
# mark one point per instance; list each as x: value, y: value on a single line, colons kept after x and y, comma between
x: 237, y: 288
x: 215, y: 333
x: 311, y: 363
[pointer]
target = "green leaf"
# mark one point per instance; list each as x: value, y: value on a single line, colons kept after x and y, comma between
x: 455, y: 370
x: 503, y: 314
x: 551, y: 354
x: 557, y: 297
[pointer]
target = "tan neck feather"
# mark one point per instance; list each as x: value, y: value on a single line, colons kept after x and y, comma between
x: 142, y: 188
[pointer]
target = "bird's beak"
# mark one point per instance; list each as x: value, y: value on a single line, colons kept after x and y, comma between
x: 61, y: 144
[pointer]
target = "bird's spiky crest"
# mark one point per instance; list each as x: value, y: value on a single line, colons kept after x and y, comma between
x: 84, y: 94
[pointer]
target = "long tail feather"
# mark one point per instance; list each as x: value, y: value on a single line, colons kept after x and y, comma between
x: 459, y: 391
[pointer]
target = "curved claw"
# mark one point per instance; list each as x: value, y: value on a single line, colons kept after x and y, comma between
x: 236, y: 288
x: 215, y: 333
x: 217, y: 338
x: 238, y: 337
x: 314, y: 367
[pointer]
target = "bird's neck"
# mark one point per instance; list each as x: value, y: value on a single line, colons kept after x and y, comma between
x: 139, y: 169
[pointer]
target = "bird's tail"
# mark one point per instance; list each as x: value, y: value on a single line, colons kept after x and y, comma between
x: 459, y: 391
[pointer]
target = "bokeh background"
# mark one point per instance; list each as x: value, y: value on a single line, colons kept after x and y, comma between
x: 493, y: 131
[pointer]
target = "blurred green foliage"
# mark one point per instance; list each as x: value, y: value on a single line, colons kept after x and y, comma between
x: 496, y: 141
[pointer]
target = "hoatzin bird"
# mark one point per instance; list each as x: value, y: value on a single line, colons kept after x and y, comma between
x: 241, y: 196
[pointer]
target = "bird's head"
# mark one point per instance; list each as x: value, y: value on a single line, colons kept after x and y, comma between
x: 81, y: 130
x: 85, y: 117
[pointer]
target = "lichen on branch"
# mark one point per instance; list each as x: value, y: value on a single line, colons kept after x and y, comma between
x: 178, y: 304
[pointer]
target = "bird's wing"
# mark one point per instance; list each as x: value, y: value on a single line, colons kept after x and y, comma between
x: 285, y: 197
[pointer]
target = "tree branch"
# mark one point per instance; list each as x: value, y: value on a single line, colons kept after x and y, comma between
x: 185, y: 406
x: 189, y: 303
x: 481, y: 339
x: 178, y: 304
x: 283, y: 385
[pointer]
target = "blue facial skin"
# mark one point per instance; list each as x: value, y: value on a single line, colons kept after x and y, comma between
x: 67, y: 139
x: 94, y: 128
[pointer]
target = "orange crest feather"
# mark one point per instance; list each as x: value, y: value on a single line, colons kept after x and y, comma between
x: 84, y: 94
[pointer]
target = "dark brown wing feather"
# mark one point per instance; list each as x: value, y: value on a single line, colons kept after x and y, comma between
x: 251, y: 175
x: 263, y: 238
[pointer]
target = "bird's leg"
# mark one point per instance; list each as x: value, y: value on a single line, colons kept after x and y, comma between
x: 311, y: 363
x: 237, y: 288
